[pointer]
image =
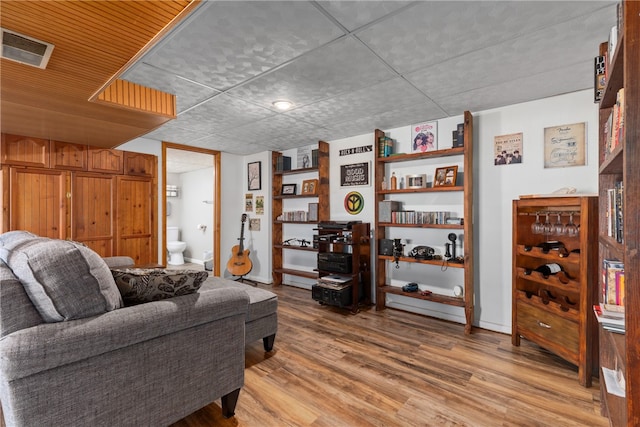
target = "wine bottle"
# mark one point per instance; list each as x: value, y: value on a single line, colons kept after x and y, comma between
x: 550, y: 269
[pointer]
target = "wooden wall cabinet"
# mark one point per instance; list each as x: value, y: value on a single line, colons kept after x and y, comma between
x: 278, y: 206
x: 81, y: 194
x: 385, y: 230
x: 556, y: 312
x: 621, y: 352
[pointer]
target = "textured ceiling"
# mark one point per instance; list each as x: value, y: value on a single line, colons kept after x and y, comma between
x: 353, y: 66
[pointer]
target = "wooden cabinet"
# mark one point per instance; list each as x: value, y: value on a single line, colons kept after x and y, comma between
x: 555, y: 310
x: 344, y: 253
x: 280, y: 246
x: 140, y: 164
x: 463, y: 190
x: 112, y: 213
x: 68, y: 156
x: 24, y: 151
x: 105, y: 160
x: 37, y: 201
x: 621, y: 352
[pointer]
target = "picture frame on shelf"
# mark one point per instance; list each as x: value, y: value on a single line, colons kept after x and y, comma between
x: 416, y: 181
x: 446, y: 176
x: 254, y: 176
x: 288, y: 189
x: 310, y: 187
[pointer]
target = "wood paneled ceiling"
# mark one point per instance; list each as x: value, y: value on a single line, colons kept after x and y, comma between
x: 94, y: 42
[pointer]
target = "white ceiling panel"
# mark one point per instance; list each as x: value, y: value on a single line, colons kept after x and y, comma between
x: 350, y: 67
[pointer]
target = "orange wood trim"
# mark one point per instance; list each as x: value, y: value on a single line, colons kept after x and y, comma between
x: 126, y: 95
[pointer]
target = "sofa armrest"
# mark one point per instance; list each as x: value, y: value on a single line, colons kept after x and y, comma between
x: 49, y: 345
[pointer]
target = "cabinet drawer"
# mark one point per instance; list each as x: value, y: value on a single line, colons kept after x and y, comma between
x: 549, y: 326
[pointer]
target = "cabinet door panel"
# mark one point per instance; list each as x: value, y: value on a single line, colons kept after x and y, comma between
x: 24, y: 151
x: 135, y: 219
x: 65, y: 155
x: 38, y: 202
x: 105, y: 160
x: 93, y: 211
x: 139, y: 164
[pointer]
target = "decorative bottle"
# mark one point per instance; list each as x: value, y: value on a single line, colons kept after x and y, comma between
x: 383, y: 184
x: 550, y: 269
x: 394, y: 181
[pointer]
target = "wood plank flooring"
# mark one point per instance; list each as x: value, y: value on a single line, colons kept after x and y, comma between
x: 330, y: 368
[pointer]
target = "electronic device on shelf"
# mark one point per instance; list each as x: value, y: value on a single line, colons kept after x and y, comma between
x: 337, y: 225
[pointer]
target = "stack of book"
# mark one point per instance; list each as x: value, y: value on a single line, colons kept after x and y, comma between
x: 283, y: 163
x: 614, y: 214
x: 610, y: 318
x: 610, y: 312
x: 614, y: 126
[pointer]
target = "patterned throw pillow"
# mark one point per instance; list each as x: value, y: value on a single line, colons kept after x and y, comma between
x: 139, y: 285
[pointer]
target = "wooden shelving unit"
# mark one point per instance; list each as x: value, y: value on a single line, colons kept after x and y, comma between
x: 278, y: 204
x: 556, y: 313
x: 621, y: 352
x: 383, y: 230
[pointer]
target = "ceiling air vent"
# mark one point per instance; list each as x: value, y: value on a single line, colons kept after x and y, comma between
x: 25, y: 49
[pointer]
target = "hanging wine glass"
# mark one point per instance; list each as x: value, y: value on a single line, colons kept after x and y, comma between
x: 558, y: 227
x: 536, y: 227
x: 571, y: 229
x: 547, y: 227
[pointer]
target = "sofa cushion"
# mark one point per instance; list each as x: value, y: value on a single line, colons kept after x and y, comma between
x: 16, y: 310
x: 262, y: 302
x: 64, y: 280
x: 139, y: 285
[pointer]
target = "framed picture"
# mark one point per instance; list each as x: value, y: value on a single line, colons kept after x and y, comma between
x: 254, y: 176
x: 288, y: 189
x: 416, y: 181
x: 424, y: 137
x: 446, y: 176
x: 565, y: 145
x: 309, y: 187
x: 507, y: 149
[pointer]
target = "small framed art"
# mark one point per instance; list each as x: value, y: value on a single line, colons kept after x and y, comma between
x: 288, y: 189
x: 446, y: 176
x: 254, y: 176
x: 309, y: 187
x: 416, y: 181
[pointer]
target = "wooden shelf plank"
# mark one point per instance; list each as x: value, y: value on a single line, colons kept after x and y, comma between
x: 299, y: 273
x: 443, y: 299
x: 447, y: 226
x: 458, y: 151
x: 437, y: 262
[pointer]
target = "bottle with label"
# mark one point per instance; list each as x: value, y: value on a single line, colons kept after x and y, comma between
x: 384, y: 183
x: 550, y: 269
x: 394, y: 181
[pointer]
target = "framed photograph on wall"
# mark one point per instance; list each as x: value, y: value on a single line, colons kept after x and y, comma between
x: 254, y: 176
x: 446, y: 176
x: 288, y: 189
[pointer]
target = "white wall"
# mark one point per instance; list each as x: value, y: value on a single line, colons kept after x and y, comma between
x: 195, y: 188
x: 496, y: 188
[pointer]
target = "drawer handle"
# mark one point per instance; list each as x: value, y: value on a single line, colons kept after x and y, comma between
x: 544, y: 325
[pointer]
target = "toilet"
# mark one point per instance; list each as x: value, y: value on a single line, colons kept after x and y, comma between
x: 175, y: 246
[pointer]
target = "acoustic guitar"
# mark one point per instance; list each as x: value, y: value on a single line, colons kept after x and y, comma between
x: 240, y: 264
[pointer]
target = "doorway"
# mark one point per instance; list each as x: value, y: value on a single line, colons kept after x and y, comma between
x: 180, y: 159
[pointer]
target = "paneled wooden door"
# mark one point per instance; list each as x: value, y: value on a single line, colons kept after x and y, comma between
x: 136, y: 219
x: 38, y: 201
x: 93, y: 211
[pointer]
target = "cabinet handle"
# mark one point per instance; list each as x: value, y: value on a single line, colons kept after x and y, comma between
x: 543, y: 325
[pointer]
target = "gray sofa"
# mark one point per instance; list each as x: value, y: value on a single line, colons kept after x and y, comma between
x: 144, y: 365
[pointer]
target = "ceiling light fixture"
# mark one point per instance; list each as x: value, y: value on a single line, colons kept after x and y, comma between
x: 282, y: 104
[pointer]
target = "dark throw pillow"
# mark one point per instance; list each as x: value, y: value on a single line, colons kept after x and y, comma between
x: 140, y: 285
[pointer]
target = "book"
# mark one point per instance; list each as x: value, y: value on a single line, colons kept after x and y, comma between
x: 609, y: 287
x: 607, y: 320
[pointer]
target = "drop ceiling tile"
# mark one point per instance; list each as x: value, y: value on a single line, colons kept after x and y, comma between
x: 364, y: 102
x: 354, y: 14
x: 174, y: 131
x: 222, y: 112
x: 343, y: 66
x: 556, y: 46
x: 554, y: 82
x: 228, y: 42
x: 432, y: 32
x: 274, y: 131
x: 187, y: 93
x: 230, y: 145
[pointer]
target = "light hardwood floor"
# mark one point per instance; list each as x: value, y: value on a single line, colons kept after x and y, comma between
x: 391, y: 368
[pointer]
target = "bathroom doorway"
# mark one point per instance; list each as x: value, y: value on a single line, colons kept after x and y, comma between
x: 192, y: 206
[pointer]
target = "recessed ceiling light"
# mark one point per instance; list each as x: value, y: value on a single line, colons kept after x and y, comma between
x: 282, y: 104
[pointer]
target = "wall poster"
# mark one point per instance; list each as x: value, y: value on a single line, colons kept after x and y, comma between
x: 565, y: 145
x: 507, y: 149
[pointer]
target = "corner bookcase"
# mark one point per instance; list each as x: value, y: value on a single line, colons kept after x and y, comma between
x: 621, y: 352
x: 278, y: 207
x: 388, y: 230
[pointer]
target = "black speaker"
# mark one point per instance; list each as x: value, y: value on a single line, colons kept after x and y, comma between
x: 386, y: 247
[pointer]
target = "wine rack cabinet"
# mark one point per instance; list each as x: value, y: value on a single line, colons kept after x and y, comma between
x: 555, y: 311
